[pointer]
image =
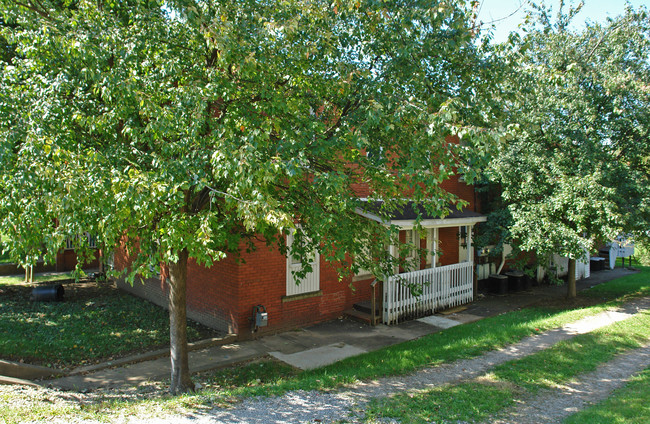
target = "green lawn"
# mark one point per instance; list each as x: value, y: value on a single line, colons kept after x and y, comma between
x: 628, y: 405
x: 9, y: 280
x: 95, y: 322
x: 628, y: 286
x: 515, y: 381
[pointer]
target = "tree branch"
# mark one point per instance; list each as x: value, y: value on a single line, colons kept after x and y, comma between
x: 35, y: 9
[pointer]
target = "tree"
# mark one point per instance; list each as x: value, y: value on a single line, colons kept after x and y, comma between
x: 575, y: 171
x: 186, y: 128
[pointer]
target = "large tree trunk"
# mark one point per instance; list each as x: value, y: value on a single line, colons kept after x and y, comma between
x: 181, y: 381
x: 571, y: 280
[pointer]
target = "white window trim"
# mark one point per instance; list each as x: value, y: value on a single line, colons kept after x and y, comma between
x: 310, y: 283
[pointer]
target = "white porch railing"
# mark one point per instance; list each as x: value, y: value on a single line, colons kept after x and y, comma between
x: 441, y: 287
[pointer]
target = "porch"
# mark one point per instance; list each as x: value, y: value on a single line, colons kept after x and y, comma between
x: 418, y: 293
x: 443, y: 279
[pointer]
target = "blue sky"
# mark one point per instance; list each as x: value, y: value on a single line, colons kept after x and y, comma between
x: 594, y: 10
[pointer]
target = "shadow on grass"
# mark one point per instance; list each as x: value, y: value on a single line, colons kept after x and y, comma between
x: 96, y: 321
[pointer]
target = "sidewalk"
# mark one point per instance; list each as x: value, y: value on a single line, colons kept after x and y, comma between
x: 320, y: 344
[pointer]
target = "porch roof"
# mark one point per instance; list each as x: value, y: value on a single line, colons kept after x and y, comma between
x: 406, y: 216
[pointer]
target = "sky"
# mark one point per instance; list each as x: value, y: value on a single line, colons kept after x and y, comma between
x: 507, y: 14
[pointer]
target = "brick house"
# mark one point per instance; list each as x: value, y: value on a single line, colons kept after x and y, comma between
x: 225, y: 295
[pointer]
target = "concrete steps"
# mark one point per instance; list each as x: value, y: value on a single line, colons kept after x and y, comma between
x: 361, y: 312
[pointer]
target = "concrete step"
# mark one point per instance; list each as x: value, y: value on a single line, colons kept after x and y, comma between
x: 365, y: 306
x: 358, y: 316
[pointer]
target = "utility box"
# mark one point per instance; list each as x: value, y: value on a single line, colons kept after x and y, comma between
x: 261, y: 316
x: 262, y: 319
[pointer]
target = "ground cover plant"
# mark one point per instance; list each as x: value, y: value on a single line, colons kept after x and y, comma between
x: 96, y: 321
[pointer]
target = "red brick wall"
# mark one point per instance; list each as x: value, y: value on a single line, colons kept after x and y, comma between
x: 224, y: 295
x: 262, y: 281
x: 448, y: 245
x: 66, y: 260
x: 211, y: 292
x: 460, y: 189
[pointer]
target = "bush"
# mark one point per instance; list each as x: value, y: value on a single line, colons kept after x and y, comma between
x: 642, y: 252
x: 4, y: 257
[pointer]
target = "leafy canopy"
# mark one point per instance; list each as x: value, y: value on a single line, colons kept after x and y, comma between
x: 576, y: 171
x: 198, y: 124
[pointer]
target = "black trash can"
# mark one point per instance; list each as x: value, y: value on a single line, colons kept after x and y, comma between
x: 515, y: 280
x: 528, y: 282
x: 596, y: 263
x: 48, y: 293
x: 499, y: 283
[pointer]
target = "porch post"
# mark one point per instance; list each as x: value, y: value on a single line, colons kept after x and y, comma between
x: 392, y: 250
x: 434, y: 247
x: 470, y: 246
x: 470, y: 258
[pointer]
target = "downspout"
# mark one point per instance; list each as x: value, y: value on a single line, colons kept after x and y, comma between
x: 503, y: 256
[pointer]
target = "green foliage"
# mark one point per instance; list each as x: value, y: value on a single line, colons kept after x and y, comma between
x: 574, y: 171
x: 4, y: 252
x: 642, y: 251
x: 197, y: 125
x: 190, y: 128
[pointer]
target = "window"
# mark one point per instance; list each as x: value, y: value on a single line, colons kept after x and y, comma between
x: 363, y: 273
x: 311, y: 281
x: 90, y: 240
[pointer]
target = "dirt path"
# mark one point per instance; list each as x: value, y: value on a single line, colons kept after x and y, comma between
x: 555, y: 405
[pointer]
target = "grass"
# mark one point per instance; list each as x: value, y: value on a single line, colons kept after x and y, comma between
x: 95, y: 322
x: 628, y: 286
x: 459, y: 342
x: 628, y: 405
x: 466, y: 402
x: 9, y: 280
x: 515, y: 380
x: 581, y: 354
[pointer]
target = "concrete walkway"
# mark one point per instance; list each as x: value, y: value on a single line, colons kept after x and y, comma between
x: 317, y: 345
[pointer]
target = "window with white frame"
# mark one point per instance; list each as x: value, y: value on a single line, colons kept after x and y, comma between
x: 310, y: 282
x: 362, y: 272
